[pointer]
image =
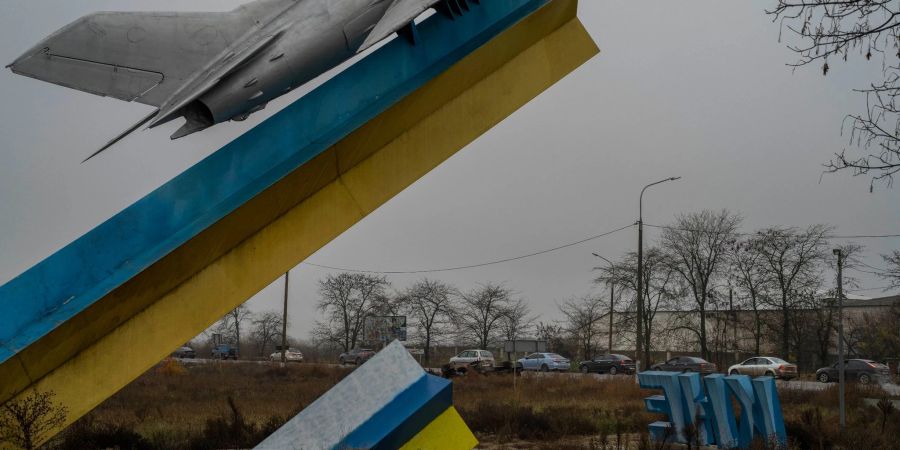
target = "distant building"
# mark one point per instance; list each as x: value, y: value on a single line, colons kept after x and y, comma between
x: 731, y: 334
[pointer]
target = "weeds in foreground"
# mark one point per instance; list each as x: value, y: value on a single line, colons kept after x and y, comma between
x: 26, y: 421
x: 193, y: 410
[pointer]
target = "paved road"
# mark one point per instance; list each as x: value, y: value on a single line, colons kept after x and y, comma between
x: 890, y: 388
x: 190, y: 361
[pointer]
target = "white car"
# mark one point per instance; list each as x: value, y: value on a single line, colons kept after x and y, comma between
x: 469, y: 357
x: 768, y: 366
x: 290, y: 355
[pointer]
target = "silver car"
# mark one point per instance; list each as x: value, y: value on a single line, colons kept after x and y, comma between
x: 290, y: 355
x: 544, y: 362
x: 483, y: 358
x: 769, y: 366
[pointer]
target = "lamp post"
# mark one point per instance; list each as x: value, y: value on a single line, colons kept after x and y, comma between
x: 639, y: 339
x: 840, y: 298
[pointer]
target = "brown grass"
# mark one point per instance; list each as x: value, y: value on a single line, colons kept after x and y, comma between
x: 546, y: 408
x: 181, y: 401
x: 177, y: 406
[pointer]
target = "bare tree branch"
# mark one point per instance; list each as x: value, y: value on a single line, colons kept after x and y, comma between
x: 835, y: 29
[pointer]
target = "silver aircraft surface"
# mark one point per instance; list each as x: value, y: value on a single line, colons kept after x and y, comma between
x: 212, y: 67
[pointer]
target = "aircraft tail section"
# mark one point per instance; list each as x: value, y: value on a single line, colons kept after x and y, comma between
x: 141, y: 56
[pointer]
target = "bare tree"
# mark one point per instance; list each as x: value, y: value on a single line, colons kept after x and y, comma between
x: 482, y: 311
x: 660, y: 288
x: 818, y: 320
x: 517, y: 321
x: 26, y: 422
x: 552, y: 334
x: 875, y: 335
x: 753, y: 282
x: 266, y: 330
x: 792, y: 258
x: 892, y: 272
x: 829, y: 30
x: 697, y: 245
x: 232, y: 323
x: 346, y: 300
x: 584, y: 317
x: 431, y: 306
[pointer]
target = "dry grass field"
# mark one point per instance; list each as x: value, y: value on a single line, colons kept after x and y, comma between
x: 228, y: 405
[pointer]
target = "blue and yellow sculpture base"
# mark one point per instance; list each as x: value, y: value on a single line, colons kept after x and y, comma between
x: 96, y: 315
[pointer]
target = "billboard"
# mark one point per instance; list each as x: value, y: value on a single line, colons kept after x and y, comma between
x: 384, y: 329
x: 525, y: 346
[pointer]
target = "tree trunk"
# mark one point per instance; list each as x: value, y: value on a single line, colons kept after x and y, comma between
x: 704, y: 349
x: 428, y: 346
x: 237, y: 334
x: 758, y: 335
x: 785, y: 326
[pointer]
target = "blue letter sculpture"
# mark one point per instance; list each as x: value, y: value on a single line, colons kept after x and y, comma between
x: 706, y: 416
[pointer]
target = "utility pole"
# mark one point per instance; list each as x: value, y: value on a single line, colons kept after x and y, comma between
x: 287, y: 276
x: 639, y: 338
x: 612, y: 310
x: 841, y: 368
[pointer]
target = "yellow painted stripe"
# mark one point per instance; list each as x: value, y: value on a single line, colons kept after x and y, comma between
x: 447, y: 432
x: 316, y: 204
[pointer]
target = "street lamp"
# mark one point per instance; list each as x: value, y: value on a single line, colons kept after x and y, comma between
x: 640, y: 272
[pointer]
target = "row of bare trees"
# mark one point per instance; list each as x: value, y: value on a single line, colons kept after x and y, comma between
x: 701, y: 271
x: 702, y: 266
x: 241, y: 326
x: 438, y: 312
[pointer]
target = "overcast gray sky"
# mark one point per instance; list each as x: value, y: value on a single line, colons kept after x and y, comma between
x: 697, y: 89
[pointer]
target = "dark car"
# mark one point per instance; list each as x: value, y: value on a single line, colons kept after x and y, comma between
x: 862, y: 370
x: 686, y: 364
x: 356, y: 356
x: 611, y: 364
x: 224, y: 351
x: 185, y: 353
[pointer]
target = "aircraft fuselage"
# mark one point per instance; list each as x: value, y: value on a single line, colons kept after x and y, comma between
x: 318, y: 35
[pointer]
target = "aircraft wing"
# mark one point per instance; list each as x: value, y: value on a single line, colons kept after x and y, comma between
x: 140, y: 56
x: 398, y: 15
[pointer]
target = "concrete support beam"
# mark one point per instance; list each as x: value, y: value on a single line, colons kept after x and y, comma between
x: 90, y: 357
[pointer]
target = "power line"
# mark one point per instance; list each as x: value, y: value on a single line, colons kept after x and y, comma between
x: 852, y: 236
x: 879, y: 269
x: 473, y: 266
x: 561, y: 247
x: 855, y: 269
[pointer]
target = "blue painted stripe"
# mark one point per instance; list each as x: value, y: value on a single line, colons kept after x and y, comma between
x: 404, y: 417
x: 83, y: 272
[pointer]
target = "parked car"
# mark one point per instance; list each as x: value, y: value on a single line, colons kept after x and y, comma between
x: 290, y: 355
x: 864, y: 371
x: 483, y: 358
x: 224, y: 351
x: 611, y: 364
x: 544, y: 362
x: 356, y: 356
x: 185, y: 353
x: 686, y: 364
x: 769, y: 366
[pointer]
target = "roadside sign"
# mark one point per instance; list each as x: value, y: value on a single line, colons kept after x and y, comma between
x: 525, y: 346
x: 384, y: 329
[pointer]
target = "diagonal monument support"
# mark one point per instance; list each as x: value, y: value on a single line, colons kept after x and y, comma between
x: 96, y: 315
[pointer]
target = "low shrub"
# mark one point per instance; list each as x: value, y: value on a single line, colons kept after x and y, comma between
x: 86, y: 433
